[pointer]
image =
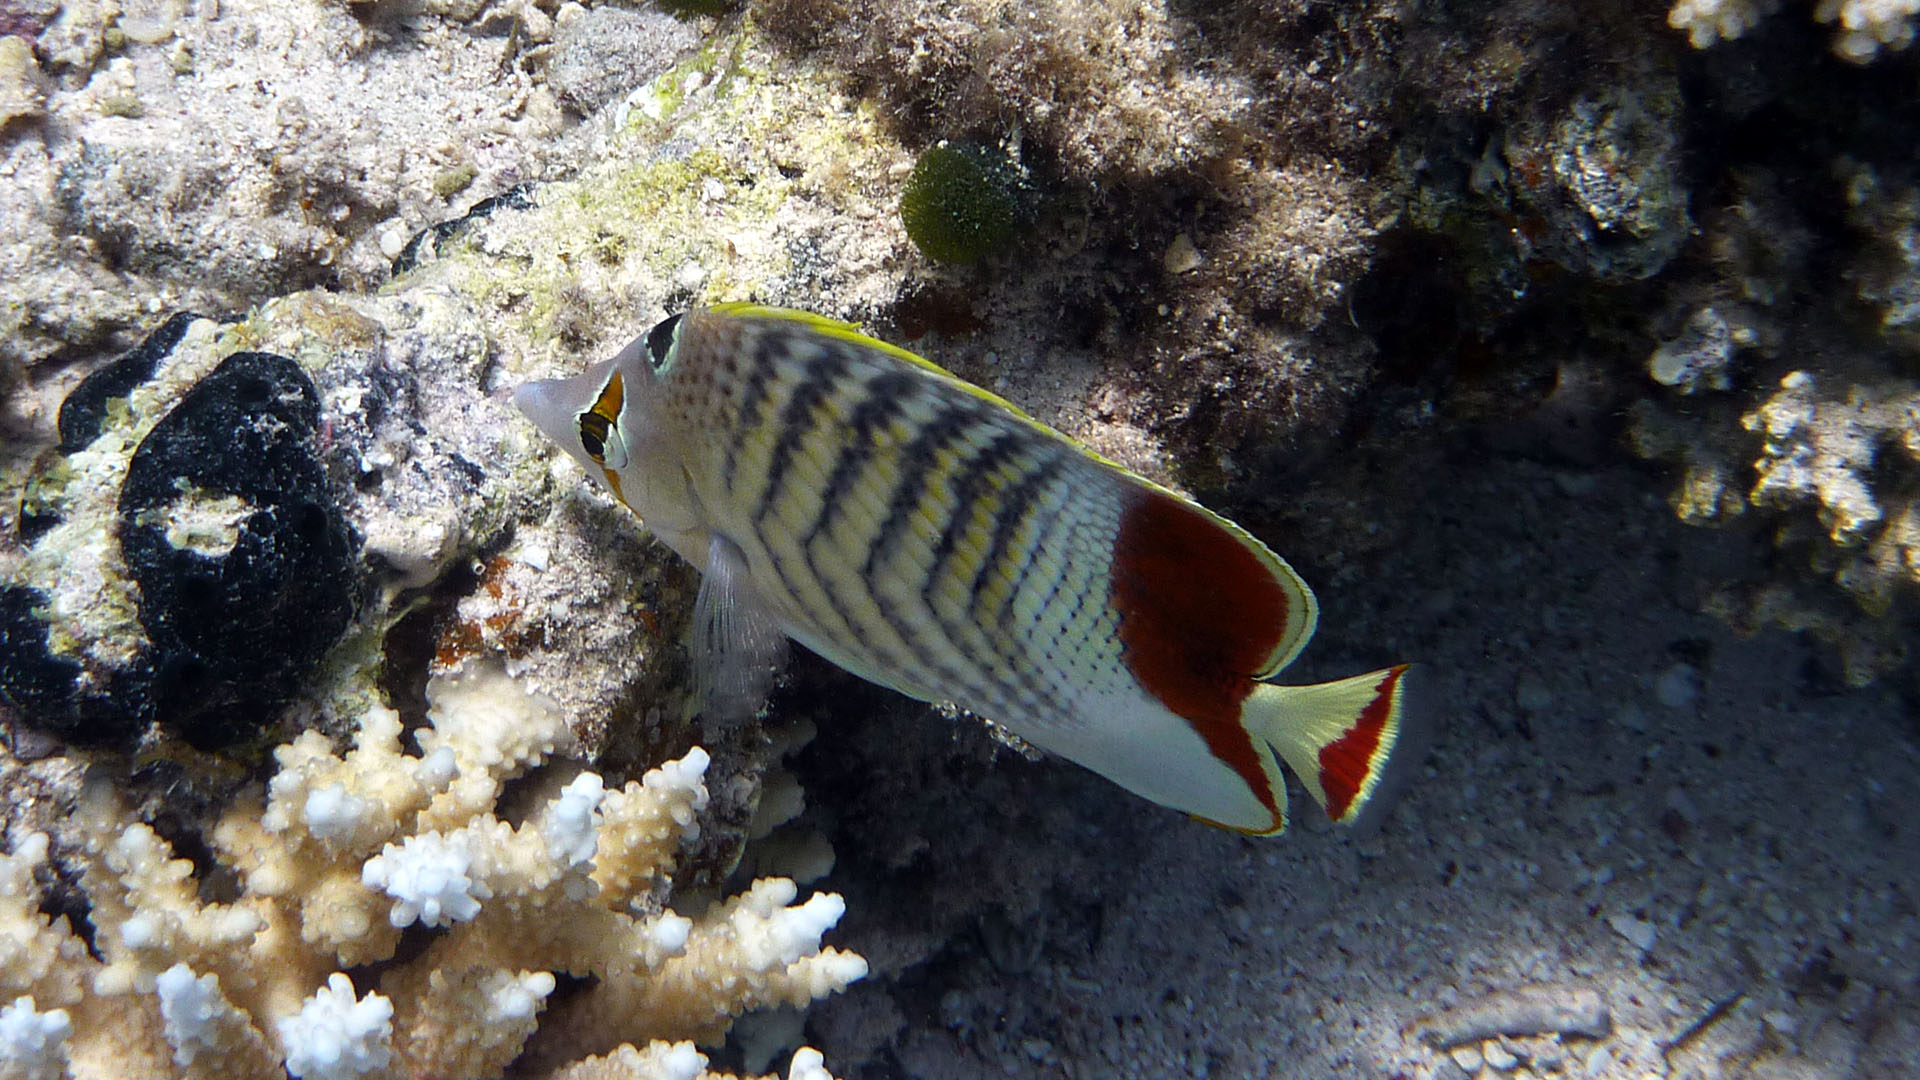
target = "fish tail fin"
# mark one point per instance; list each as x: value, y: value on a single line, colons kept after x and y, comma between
x: 1339, y: 737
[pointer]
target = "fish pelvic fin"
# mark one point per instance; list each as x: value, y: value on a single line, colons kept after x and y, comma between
x: 738, y: 645
x: 1338, y: 737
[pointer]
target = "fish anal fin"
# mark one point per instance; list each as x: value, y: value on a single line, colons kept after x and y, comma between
x: 738, y: 644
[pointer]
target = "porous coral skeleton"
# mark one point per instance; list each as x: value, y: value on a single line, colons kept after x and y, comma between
x: 343, y: 852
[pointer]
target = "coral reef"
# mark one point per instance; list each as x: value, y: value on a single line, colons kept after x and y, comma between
x: 1838, y: 467
x: 463, y: 559
x: 601, y: 53
x: 1664, y: 239
x: 234, y: 481
x: 1321, y: 261
x: 1821, y: 452
x: 1602, y: 179
x: 1823, y: 459
x: 976, y: 65
x: 1139, y: 122
x: 343, y: 853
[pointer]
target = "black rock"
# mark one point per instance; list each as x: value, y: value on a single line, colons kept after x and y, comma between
x: 82, y: 413
x: 48, y: 689
x: 237, y: 629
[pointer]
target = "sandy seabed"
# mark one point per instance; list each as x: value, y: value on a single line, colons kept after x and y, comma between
x: 1621, y: 799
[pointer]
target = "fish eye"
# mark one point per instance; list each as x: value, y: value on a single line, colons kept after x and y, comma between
x: 602, y: 441
x: 660, y: 341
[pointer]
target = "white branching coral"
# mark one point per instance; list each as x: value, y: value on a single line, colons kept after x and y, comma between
x: 428, y: 878
x: 35, y: 960
x: 339, y: 854
x: 678, y: 1061
x: 570, y: 830
x: 200, y: 1020
x: 764, y: 950
x: 1698, y: 358
x: 1824, y: 450
x: 1835, y: 455
x: 1708, y: 21
x: 337, y: 1036
x: 1866, y: 27
x: 33, y: 1045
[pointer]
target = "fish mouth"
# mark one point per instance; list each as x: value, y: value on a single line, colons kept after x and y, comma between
x: 541, y: 401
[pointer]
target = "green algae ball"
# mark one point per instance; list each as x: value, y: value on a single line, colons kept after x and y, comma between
x: 963, y: 202
x: 687, y: 9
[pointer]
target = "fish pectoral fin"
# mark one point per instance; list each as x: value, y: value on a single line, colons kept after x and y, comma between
x: 1340, y: 737
x: 738, y: 645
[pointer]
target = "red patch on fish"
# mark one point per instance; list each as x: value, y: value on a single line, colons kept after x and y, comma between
x: 1346, y: 762
x: 1200, y: 614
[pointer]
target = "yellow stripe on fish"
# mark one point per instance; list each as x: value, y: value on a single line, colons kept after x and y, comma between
x: 929, y: 536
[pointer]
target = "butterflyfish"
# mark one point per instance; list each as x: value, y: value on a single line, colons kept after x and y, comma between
x: 931, y: 537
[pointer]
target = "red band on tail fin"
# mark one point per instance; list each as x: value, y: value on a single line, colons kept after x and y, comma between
x: 1350, y: 765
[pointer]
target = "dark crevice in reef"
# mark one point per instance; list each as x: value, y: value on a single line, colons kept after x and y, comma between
x: 410, y: 646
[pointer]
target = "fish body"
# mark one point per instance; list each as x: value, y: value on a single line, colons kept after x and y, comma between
x: 929, y: 536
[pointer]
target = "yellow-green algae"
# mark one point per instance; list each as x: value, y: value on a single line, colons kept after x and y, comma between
x: 738, y: 174
x: 453, y: 181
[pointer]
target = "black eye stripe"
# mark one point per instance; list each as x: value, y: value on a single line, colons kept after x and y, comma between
x: 596, y: 424
x: 593, y: 434
x: 660, y: 339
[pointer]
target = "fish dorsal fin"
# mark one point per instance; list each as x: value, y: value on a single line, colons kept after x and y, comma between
x: 851, y: 333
